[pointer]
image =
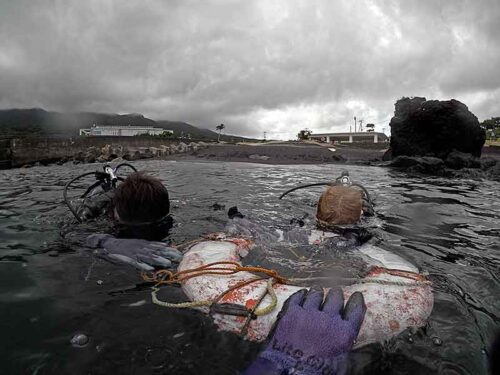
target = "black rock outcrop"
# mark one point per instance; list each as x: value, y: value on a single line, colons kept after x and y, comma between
x: 420, y: 164
x: 459, y: 160
x: 423, y: 127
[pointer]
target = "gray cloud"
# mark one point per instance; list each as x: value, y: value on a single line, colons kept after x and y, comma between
x: 253, y: 65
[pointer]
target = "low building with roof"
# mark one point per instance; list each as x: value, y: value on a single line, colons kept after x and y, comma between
x: 358, y: 137
x: 122, y: 131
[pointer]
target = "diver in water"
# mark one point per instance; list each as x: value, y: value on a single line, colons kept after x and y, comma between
x: 339, y: 211
x: 140, y: 210
x: 139, y: 207
x: 313, y: 335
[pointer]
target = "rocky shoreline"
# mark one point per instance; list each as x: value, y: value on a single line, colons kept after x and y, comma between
x: 120, y: 153
x: 108, y: 153
x: 457, y: 164
x: 266, y: 153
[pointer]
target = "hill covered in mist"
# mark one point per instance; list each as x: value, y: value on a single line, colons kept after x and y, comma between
x: 39, y: 122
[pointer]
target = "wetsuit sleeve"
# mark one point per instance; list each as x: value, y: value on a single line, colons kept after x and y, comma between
x: 240, y: 225
x: 245, y: 227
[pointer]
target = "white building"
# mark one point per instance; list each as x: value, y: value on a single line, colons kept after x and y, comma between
x: 122, y: 131
x: 358, y: 137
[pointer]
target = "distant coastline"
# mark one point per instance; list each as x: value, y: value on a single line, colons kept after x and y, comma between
x: 27, y: 152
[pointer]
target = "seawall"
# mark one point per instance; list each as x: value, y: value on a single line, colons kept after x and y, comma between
x: 22, y: 151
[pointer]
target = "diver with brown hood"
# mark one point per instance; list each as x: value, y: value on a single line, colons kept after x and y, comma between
x: 139, y: 208
x: 339, y: 214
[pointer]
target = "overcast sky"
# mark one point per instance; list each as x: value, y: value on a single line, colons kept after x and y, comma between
x: 275, y: 66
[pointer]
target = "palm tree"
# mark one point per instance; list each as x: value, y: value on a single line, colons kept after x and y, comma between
x: 219, y: 128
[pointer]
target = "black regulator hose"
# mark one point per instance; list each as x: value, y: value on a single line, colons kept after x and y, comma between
x: 65, y: 194
x: 125, y: 165
x: 367, y: 195
x: 306, y: 186
x: 90, y: 188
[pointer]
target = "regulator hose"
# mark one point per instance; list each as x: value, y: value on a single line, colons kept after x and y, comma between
x: 125, y: 165
x: 306, y: 186
x: 65, y: 194
x: 367, y: 195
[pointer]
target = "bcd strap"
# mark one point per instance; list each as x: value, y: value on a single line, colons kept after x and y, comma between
x: 231, y: 309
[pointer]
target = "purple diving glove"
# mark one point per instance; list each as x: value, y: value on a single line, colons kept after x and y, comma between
x: 141, y: 254
x: 311, y: 336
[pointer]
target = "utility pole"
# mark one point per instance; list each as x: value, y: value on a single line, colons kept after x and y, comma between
x: 360, y: 125
x: 265, y: 136
x: 354, y: 124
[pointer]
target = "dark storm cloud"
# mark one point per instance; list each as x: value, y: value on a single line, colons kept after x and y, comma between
x: 253, y: 65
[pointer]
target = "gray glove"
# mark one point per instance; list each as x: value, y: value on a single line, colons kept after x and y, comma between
x: 141, y: 254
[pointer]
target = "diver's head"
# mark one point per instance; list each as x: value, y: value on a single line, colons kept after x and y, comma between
x: 339, y: 205
x: 141, y: 207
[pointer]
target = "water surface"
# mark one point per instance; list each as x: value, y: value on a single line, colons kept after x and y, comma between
x: 51, y: 288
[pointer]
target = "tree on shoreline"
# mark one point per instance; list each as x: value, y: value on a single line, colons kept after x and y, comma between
x: 304, y: 134
x: 219, y: 128
x: 492, y: 127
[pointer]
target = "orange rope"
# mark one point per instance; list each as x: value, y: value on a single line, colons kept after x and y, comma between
x: 161, y: 277
x: 375, y: 270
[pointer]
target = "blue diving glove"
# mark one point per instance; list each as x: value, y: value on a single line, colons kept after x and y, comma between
x: 141, y: 254
x: 311, y: 336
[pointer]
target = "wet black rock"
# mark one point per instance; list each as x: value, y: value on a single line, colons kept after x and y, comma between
x: 494, y: 172
x: 79, y: 340
x: 387, y: 155
x: 437, y: 341
x: 423, y: 127
x: 218, y: 207
x: 459, y: 160
x: 89, y: 159
x: 424, y: 164
x: 487, y: 163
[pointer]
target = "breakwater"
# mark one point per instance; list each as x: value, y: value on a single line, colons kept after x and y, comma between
x: 27, y: 151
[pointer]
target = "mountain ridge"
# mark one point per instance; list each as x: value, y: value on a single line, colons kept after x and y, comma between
x: 28, y: 122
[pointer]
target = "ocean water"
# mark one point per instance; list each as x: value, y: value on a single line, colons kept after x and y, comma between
x: 52, y: 288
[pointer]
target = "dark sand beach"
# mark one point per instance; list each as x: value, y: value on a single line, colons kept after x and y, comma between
x: 287, y: 153
x: 299, y: 153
